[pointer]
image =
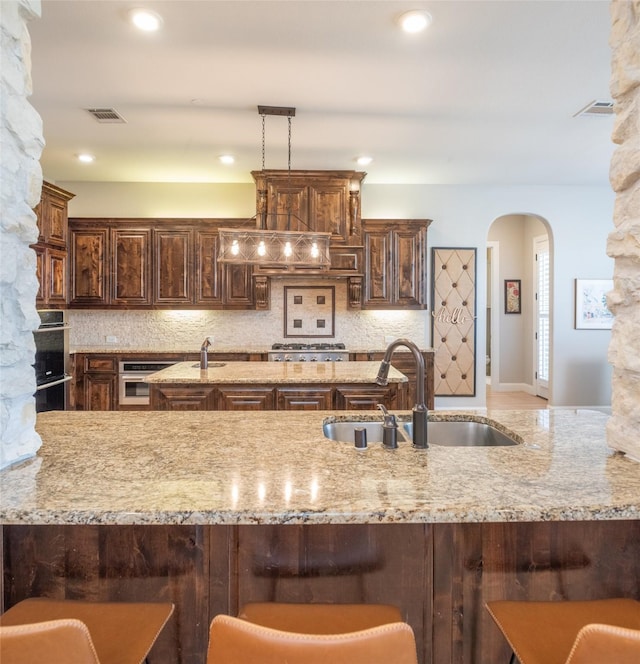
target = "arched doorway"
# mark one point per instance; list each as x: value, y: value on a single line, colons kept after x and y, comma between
x: 519, y: 340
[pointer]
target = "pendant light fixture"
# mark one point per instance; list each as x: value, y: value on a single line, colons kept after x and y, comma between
x: 276, y: 246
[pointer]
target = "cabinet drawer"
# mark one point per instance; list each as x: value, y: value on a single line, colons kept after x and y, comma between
x: 305, y: 398
x: 105, y: 364
x: 246, y: 398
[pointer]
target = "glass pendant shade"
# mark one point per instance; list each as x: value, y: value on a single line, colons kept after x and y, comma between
x: 265, y: 247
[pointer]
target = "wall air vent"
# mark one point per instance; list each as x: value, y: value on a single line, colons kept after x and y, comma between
x: 106, y: 115
x: 596, y: 108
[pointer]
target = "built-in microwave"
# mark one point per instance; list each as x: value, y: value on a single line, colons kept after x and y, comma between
x: 132, y: 390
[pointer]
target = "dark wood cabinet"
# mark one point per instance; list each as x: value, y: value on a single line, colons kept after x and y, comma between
x: 395, y: 263
x: 96, y: 382
x: 154, y: 264
x: 51, y: 248
x: 89, y: 266
x: 278, y: 396
x: 296, y: 398
x: 173, y: 250
x: 131, y: 266
x: 367, y: 397
x: 320, y: 201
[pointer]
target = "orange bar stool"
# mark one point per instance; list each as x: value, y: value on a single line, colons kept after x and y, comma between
x: 547, y: 632
x: 121, y: 632
x: 236, y: 641
x: 319, y: 618
x: 54, y: 642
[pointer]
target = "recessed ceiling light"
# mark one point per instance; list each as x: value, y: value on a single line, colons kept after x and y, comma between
x: 226, y: 158
x: 415, y: 20
x: 364, y: 161
x: 146, y: 20
x: 86, y: 158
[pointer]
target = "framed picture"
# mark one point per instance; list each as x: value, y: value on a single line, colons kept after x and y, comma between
x: 591, y: 304
x: 309, y: 311
x: 512, y: 296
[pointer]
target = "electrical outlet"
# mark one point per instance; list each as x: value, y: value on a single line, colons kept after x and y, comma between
x: 110, y: 339
x: 389, y: 339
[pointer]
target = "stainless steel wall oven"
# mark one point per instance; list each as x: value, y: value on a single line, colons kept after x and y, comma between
x: 51, y: 361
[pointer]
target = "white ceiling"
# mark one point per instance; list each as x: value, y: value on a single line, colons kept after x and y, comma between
x: 485, y: 96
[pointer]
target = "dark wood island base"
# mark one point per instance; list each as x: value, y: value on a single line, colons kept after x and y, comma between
x: 439, y: 575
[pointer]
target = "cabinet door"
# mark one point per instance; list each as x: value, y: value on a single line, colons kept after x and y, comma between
x: 100, y: 391
x: 56, y: 224
x: 408, y: 265
x: 237, y: 284
x: 182, y: 397
x: 131, y: 266
x: 378, y: 269
x: 173, y: 266
x: 246, y: 398
x: 290, y: 203
x: 41, y: 275
x: 303, y: 398
x: 367, y: 397
x: 89, y: 251
x: 56, y: 276
x: 208, y: 286
x: 329, y: 210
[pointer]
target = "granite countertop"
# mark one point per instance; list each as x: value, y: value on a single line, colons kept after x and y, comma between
x: 273, y: 372
x: 173, y: 350
x: 277, y: 467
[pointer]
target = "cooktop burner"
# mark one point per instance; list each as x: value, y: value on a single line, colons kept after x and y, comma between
x: 316, y: 346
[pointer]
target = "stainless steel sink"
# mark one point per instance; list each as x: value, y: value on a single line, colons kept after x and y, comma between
x: 447, y: 433
x: 463, y: 434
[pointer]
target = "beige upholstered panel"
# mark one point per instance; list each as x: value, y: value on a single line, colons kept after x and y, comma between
x: 454, y: 321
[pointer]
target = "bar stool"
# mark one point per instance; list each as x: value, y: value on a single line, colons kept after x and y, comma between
x: 54, y: 642
x: 605, y: 643
x: 121, y: 632
x: 319, y: 618
x: 236, y: 641
x: 545, y: 632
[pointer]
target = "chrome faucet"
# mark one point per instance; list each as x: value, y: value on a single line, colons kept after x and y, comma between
x: 420, y: 413
x: 204, y: 353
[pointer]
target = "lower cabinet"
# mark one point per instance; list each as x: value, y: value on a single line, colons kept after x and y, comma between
x: 96, y: 382
x: 276, y: 397
x: 298, y: 398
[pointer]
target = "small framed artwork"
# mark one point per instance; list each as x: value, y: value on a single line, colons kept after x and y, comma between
x: 592, y: 312
x: 309, y: 311
x: 512, y: 296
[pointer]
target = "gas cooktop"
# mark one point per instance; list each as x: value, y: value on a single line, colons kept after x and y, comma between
x: 315, y: 346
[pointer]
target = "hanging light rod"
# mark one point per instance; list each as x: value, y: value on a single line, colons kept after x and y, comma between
x: 287, y: 111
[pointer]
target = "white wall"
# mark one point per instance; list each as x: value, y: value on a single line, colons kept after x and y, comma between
x: 580, y: 219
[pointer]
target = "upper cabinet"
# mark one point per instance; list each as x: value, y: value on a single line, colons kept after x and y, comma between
x: 51, y: 248
x: 395, y: 263
x: 146, y: 263
x: 320, y: 201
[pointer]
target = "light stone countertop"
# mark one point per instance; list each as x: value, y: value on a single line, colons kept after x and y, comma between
x: 262, y: 349
x: 273, y: 372
x: 277, y: 467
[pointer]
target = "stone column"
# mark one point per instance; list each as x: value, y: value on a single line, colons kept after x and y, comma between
x: 20, y: 184
x: 623, y: 431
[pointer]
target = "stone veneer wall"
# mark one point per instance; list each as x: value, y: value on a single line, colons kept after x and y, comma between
x: 624, y: 242
x: 20, y: 184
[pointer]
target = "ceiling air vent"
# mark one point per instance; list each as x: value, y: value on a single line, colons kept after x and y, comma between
x: 596, y: 108
x: 106, y: 115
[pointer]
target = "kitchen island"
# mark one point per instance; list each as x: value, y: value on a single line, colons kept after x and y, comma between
x: 275, y: 386
x: 211, y: 510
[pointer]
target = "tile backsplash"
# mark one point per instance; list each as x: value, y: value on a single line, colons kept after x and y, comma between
x: 185, y: 330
